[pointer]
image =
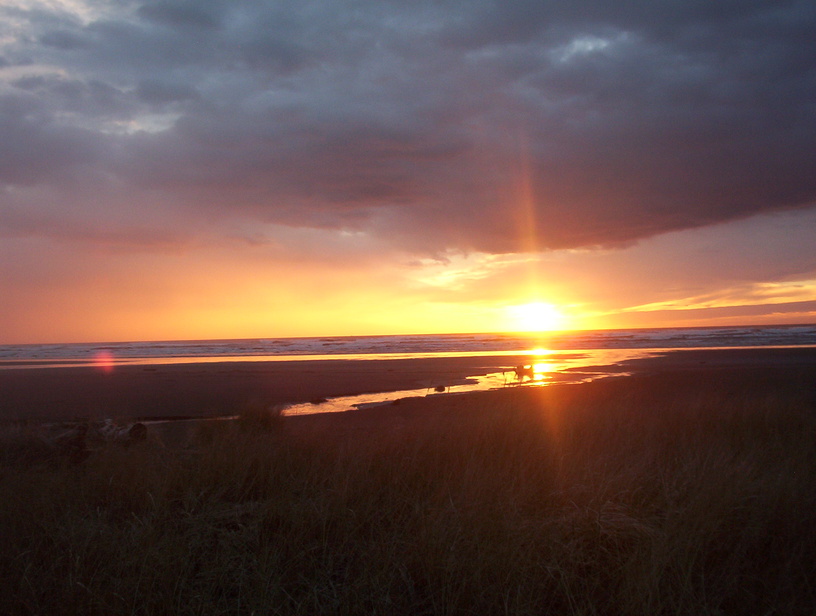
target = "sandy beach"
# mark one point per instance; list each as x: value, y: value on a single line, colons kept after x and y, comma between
x: 216, y: 389
x: 678, y: 377
x: 682, y: 484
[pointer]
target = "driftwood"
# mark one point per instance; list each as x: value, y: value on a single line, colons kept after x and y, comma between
x: 76, y: 442
x: 124, y: 435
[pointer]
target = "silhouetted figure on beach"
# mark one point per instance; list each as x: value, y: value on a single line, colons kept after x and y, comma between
x: 521, y: 372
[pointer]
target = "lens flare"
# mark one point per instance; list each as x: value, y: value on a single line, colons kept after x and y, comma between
x: 103, y: 360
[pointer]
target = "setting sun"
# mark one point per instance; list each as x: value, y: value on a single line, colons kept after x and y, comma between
x: 535, y: 317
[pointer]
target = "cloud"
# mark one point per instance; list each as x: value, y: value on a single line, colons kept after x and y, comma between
x: 752, y: 261
x: 485, y: 126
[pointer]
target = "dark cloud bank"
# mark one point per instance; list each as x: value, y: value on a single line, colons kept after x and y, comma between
x: 428, y: 123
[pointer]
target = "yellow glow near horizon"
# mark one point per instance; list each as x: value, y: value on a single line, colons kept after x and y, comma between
x: 536, y: 317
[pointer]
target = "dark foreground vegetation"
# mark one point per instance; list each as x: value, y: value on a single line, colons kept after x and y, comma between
x: 617, y: 498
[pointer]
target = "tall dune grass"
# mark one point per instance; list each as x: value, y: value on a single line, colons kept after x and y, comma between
x: 566, y: 501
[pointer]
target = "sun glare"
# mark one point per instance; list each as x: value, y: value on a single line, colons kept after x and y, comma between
x: 535, y: 317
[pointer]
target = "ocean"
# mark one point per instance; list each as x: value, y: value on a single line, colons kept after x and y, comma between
x: 405, y: 346
x: 553, y: 356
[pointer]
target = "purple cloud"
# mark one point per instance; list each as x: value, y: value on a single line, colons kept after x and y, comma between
x: 428, y: 124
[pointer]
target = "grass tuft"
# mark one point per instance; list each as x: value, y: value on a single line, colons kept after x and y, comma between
x: 569, y: 501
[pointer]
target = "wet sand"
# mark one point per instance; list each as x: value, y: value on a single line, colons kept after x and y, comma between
x: 210, y: 390
x: 216, y: 389
x: 711, y: 377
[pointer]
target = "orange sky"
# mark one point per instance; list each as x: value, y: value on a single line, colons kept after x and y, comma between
x: 178, y: 170
x: 233, y: 290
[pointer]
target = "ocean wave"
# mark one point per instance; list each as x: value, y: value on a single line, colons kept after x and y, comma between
x: 419, y: 344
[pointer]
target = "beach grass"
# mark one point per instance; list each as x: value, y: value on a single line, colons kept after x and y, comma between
x: 592, y: 499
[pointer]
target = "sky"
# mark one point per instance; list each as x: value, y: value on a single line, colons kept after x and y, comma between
x: 238, y: 168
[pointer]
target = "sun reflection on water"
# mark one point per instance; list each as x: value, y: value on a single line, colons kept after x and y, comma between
x: 542, y: 370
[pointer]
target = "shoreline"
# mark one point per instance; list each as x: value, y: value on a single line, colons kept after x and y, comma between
x: 208, y: 390
x: 204, y: 390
